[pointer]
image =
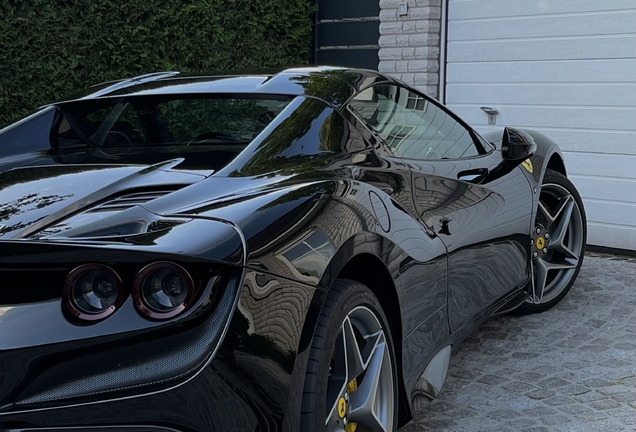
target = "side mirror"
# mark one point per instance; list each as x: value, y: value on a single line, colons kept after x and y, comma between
x: 516, y: 145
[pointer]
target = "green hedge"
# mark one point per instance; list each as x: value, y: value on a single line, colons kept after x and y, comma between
x: 51, y: 48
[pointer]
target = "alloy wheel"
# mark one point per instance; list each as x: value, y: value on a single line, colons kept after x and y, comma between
x: 360, y: 393
x: 557, y: 244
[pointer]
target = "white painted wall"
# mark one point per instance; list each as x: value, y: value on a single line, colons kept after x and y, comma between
x: 566, y: 68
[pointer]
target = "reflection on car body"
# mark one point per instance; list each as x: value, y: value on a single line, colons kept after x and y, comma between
x: 291, y: 251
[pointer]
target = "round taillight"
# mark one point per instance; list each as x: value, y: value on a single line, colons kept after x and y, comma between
x: 162, y: 290
x: 92, y: 292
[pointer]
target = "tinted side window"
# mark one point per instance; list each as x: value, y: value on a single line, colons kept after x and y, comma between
x: 411, y: 126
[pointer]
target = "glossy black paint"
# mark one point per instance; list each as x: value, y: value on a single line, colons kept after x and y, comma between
x: 486, y: 223
x: 314, y: 197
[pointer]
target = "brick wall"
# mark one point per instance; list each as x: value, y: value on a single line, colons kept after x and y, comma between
x: 409, y: 45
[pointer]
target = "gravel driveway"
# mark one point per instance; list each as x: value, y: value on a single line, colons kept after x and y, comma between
x: 572, y: 368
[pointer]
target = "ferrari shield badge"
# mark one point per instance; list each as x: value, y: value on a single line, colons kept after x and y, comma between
x: 527, y: 164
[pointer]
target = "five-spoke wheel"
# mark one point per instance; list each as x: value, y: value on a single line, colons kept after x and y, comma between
x: 360, y: 389
x: 558, y: 243
x: 354, y: 381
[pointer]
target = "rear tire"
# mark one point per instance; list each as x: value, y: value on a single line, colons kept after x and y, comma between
x: 351, y: 322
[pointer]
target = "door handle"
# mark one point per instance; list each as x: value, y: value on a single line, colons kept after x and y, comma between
x: 473, y: 176
x: 446, y: 226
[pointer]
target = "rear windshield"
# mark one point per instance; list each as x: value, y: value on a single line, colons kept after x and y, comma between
x: 156, y: 122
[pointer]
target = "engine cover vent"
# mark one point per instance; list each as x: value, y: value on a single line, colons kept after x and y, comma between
x: 125, y: 202
x: 107, y: 208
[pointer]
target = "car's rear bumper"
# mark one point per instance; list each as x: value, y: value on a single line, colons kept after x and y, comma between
x: 251, y: 378
x: 220, y: 398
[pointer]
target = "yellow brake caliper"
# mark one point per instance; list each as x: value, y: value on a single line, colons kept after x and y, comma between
x: 351, y: 387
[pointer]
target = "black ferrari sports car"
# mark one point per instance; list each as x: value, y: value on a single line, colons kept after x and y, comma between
x: 297, y: 251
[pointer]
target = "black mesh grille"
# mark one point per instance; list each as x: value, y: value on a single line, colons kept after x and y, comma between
x: 161, y: 361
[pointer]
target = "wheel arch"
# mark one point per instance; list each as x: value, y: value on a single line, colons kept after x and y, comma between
x: 377, y: 260
x: 370, y: 271
x: 556, y: 163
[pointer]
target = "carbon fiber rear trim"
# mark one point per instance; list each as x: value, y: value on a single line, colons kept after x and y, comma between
x: 160, y: 361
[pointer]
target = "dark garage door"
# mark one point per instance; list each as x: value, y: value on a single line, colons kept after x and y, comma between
x: 347, y: 33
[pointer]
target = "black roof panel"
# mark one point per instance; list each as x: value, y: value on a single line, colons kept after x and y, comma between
x: 332, y: 84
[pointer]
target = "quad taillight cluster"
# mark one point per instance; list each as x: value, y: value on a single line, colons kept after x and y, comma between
x: 161, y: 290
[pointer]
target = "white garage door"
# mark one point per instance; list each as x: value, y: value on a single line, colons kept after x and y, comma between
x: 566, y: 68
